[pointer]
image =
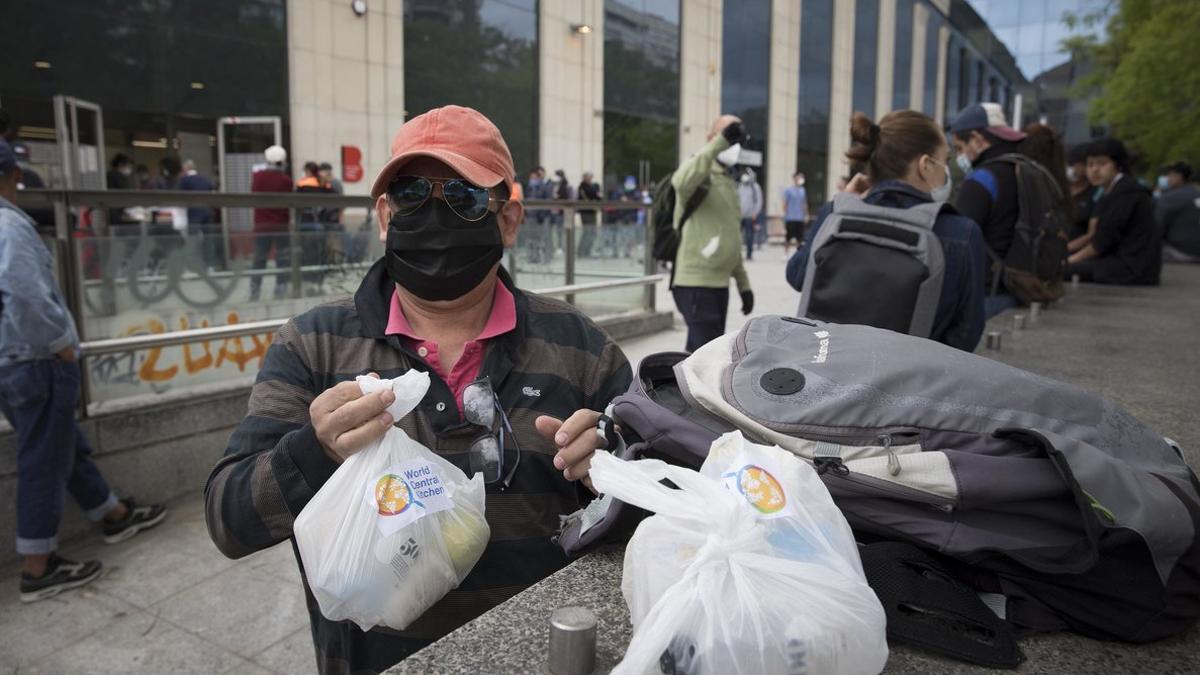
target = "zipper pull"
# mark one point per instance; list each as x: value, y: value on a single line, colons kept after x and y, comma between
x: 893, y: 463
x: 834, y: 464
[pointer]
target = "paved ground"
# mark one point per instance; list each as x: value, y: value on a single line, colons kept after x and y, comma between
x: 170, y: 602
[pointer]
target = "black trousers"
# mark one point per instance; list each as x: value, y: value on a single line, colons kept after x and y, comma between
x: 703, y: 310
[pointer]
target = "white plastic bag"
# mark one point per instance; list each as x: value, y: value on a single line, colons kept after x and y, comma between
x: 395, y: 528
x: 747, y: 568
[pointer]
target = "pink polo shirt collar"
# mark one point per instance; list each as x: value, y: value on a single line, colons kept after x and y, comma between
x: 502, y: 320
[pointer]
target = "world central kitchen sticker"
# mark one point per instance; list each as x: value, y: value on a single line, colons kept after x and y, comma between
x: 404, y: 493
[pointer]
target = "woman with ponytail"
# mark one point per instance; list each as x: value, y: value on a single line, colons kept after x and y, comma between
x: 904, y: 163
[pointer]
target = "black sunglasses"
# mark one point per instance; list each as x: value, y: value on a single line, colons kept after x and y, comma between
x: 470, y: 202
x: 496, y: 447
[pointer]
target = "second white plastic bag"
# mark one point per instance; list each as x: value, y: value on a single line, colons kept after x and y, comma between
x: 394, y: 529
x: 748, y: 567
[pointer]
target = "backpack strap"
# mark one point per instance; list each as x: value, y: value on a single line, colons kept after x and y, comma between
x: 689, y: 208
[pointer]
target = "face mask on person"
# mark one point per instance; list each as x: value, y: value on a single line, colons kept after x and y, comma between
x: 436, y: 255
x: 963, y: 162
x: 729, y: 156
x: 1072, y: 175
x: 1162, y: 183
x: 747, y: 179
x: 800, y: 182
x: 126, y: 170
x: 942, y: 192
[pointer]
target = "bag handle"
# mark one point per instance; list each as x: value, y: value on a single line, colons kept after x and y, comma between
x: 638, y: 483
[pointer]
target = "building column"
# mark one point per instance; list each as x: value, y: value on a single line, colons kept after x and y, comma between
x: 884, y: 55
x: 699, y: 72
x: 916, y: 95
x: 345, y: 84
x: 783, y: 104
x: 939, y: 114
x: 841, y: 92
x: 571, y: 88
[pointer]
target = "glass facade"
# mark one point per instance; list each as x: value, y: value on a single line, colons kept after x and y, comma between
x: 866, y: 34
x: 902, y: 56
x: 932, y: 30
x: 492, y: 67
x: 162, y: 72
x: 746, y: 68
x: 816, y: 65
x: 641, y: 91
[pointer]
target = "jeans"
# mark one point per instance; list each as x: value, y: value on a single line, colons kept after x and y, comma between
x: 283, y: 259
x: 312, y: 250
x: 748, y: 236
x: 994, y: 304
x: 703, y: 311
x: 53, y: 457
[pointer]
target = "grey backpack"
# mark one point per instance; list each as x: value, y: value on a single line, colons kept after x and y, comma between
x: 1079, y: 515
x: 863, y: 249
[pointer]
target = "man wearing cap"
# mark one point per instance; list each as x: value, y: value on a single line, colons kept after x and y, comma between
x: 438, y: 301
x: 39, y: 393
x: 271, y: 224
x: 988, y: 194
x: 1178, y: 213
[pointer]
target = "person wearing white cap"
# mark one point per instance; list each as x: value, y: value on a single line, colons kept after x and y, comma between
x: 271, y: 225
x: 988, y: 195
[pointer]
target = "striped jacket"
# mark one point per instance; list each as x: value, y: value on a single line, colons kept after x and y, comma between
x: 555, y: 362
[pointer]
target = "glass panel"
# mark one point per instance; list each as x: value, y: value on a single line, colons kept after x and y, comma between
x: 745, y: 73
x: 902, y: 55
x: 167, y: 69
x: 866, y: 31
x: 641, y: 93
x: 816, y: 63
x: 611, y: 245
x: 539, y: 259
x: 932, y: 43
x: 481, y: 54
x: 157, y: 270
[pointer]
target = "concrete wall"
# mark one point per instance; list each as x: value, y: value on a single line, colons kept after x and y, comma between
x: 346, y: 82
x: 842, y: 93
x: 783, y: 106
x: 884, y: 54
x: 916, y: 92
x: 571, y: 103
x: 699, y: 72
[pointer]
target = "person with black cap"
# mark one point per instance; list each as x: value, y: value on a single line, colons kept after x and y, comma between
x: 988, y: 195
x: 1178, y: 213
x: 1127, y: 245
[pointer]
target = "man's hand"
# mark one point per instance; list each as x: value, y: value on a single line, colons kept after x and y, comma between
x: 576, y: 440
x: 346, y: 421
x: 747, y: 302
x: 68, y: 354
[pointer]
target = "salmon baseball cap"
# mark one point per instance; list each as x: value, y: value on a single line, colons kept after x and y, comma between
x: 461, y: 137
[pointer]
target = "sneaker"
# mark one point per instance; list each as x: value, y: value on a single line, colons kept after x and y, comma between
x: 139, y: 518
x: 60, y: 575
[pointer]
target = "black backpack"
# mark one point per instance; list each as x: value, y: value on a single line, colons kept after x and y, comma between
x: 666, y: 236
x: 1033, y: 267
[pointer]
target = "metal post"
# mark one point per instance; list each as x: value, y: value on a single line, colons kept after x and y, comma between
x: 68, y: 268
x: 650, y: 292
x: 294, y: 245
x: 569, y: 244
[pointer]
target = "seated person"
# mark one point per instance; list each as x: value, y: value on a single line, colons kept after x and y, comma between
x: 1127, y: 245
x: 438, y: 301
x: 1178, y: 214
x: 1080, y: 196
x: 905, y: 158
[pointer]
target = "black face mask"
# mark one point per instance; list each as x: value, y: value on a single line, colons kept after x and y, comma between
x: 436, y: 255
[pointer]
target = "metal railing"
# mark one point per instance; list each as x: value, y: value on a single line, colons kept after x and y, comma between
x: 68, y: 205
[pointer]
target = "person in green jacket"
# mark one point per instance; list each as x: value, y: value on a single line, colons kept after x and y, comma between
x: 709, y: 246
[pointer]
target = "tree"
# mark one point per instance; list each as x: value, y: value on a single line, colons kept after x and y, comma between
x: 1147, y: 75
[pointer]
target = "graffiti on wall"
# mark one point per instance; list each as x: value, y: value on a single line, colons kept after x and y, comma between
x: 159, y: 369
